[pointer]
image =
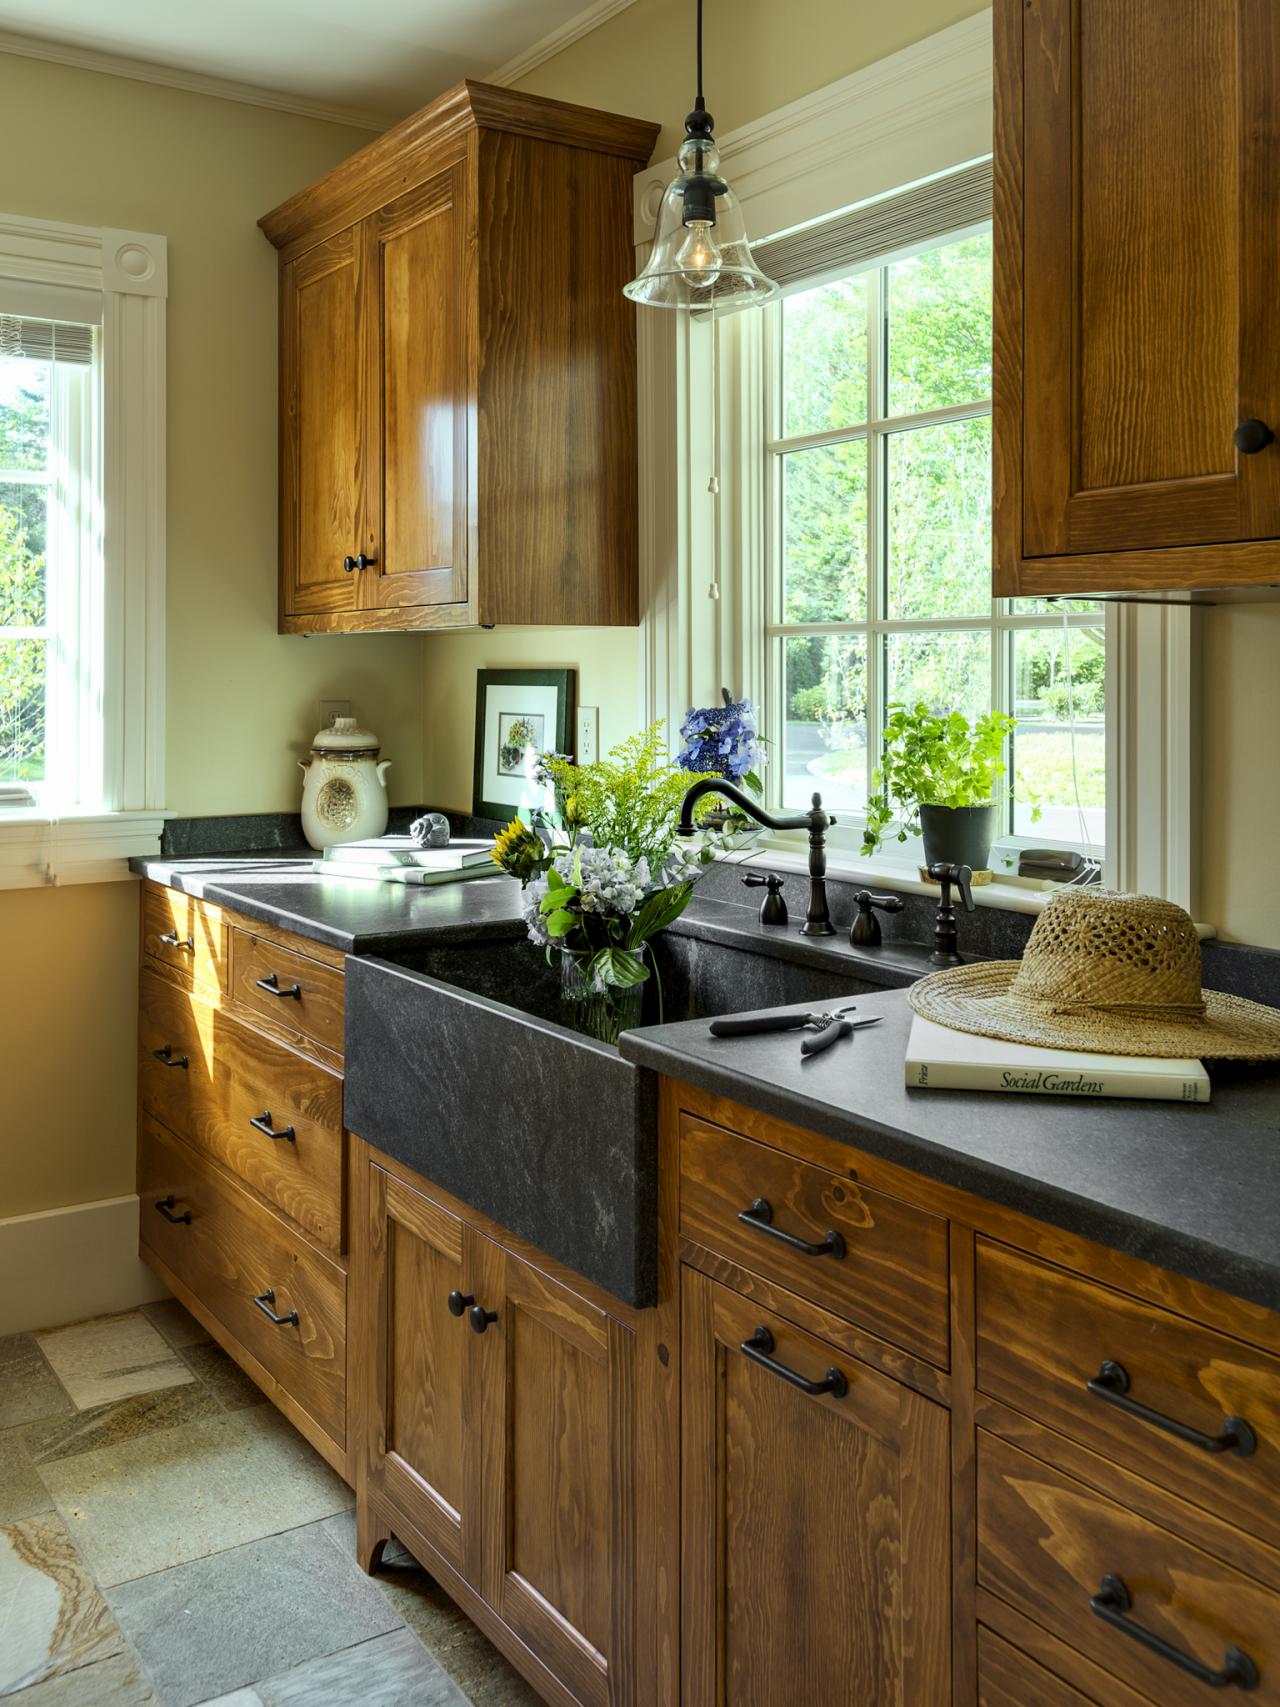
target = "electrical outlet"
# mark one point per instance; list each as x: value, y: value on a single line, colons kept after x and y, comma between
x: 331, y: 708
x: 588, y: 741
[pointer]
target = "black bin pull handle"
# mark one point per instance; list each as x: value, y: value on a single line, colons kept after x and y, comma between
x: 758, y: 1348
x: 266, y: 1302
x: 171, y: 939
x: 1113, y: 1603
x: 167, y: 1058
x: 262, y: 1123
x: 166, y: 1205
x: 1111, y: 1385
x: 760, y: 1216
x: 271, y: 984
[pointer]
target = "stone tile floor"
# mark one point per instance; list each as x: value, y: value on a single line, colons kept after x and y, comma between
x: 167, y: 1539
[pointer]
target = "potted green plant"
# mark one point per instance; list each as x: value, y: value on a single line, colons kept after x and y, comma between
x: 937, y: 778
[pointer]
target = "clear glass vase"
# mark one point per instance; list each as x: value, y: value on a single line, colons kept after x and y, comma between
x: 600, y: 1010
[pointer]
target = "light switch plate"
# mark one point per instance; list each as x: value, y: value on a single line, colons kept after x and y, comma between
x: 588, y: 740
x: 331, y: 708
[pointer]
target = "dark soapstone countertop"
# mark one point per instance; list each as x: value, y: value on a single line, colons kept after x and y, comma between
x: 1192, y: 1188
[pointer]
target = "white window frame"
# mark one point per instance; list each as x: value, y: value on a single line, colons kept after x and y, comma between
x: 121, y: 612
x: 1003, y: 618
x: 704, y: 542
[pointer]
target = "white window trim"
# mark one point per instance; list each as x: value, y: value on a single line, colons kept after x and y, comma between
x: 130, y: 269
x: 919, y: 112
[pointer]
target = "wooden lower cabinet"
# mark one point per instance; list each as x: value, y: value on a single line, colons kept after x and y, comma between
x: 498, y: 1432
x: 816, y: 1559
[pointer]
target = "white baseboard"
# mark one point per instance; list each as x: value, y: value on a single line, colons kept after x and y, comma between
x: 65, y: 1265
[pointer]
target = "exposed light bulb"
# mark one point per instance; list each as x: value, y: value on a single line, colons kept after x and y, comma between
x: 699, y: 257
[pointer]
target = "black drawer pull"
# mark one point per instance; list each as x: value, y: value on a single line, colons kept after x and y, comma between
x: 271, y: 984
x: 458, y: 1301
x: 1112, y: 1603
x: 266, y: 1302
x: 1111, y: 1385
x: 349, y: 563
x: 760, y: 1216
x: 167, y: 1058
x: 480, y: 1318
x: 758, y: 1347
x: 1252, y: 436
x: 262, y: 1123
x: 165, y: 1207
x: 171, y: 939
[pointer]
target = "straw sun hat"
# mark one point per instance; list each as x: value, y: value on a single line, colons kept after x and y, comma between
x: 1107, y: 972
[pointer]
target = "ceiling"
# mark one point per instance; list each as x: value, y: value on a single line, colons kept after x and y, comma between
x: 378, y: 57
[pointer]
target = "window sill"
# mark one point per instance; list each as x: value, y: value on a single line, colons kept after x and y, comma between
x: 39, y: 848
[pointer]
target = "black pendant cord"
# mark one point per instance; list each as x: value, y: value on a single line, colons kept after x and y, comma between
x: 700, y: 103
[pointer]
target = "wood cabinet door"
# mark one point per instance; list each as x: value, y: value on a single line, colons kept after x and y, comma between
x: 558, y: 1447
x: 816, y: 1529
x: 422, y: 1431
x: 1151, y: 177
x: 322, y: 436
x: 417, y: 521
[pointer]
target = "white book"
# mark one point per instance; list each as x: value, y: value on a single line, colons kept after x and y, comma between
x: 403, y: 850
x: 403, y: 874
x: 939, y: 1058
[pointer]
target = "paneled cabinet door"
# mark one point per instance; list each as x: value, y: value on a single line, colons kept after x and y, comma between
x: 423, y: 1438
x: 558, y: 1434
x: 417, y: 329
x: 815, y: 1523
x: 322, y: 438
x: 1151, y: 178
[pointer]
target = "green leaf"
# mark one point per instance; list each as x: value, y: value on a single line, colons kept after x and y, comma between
x: 561, y: 923
x: 555, y: 898
x: 618, y: 968
x: 657, y: 911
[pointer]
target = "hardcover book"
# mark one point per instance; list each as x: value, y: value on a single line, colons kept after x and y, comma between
x: 939, y: 1058
x: 417, y: 875
x: 403, y: 850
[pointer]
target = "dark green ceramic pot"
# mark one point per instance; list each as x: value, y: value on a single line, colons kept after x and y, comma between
x: 958, y: 835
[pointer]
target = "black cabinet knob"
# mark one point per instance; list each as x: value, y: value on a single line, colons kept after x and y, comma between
x: 458, y: 1301
x: 363, y: 562
x: 1252, y: 436
x: 350, y: 563
x: 480, y: 1317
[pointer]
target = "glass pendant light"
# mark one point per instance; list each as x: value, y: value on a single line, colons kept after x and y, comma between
x: 700, y: 257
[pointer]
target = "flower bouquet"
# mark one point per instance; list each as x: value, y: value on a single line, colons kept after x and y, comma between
x: 605, y: 873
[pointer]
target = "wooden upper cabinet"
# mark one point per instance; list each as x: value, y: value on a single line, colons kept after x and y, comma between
x: 457, y: 373
x: 816, y: 1555
x: 1137, y: 247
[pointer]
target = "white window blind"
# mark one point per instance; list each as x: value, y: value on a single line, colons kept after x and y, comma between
x: 879, y: 230
x: 46, y: 340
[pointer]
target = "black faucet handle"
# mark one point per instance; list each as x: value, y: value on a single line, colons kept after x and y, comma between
x: 773, y: 908
x: 941, y: 871
x: 866, y: 927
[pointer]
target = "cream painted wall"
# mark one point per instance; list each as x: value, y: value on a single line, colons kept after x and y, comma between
x: 1240, y: 823
x: 241, y: 699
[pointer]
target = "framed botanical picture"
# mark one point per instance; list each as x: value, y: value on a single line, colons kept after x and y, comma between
x: 519, y: 714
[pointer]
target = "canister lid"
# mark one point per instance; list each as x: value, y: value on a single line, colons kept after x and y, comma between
x: 344, y: 735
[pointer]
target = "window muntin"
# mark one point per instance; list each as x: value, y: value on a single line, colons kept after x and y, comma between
x: 878, y: 442
x: 50, y: 565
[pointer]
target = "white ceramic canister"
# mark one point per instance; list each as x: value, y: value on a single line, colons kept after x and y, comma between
x: 344, y: 796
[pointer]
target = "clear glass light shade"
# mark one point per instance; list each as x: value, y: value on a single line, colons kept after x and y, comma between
x: 700, y: 256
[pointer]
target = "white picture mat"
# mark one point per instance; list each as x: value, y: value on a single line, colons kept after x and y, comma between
x: 514, y: 698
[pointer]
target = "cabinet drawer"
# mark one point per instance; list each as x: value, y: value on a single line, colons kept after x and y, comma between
x: 233, y: 1250
x: 185, y: 935
x: 1045, y: 1545
x: 1044, y: 1334
x: 235, y: 1083
x: 885, y: 1268
x: 1007, y: 1678
x: 281, y: 985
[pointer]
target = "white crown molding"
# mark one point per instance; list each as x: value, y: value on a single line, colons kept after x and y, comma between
x: 924, y: 110
x: 192, y: 82
x: 582, y: 24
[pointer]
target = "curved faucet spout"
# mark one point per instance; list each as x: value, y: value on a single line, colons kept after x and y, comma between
x: 817, y: 920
